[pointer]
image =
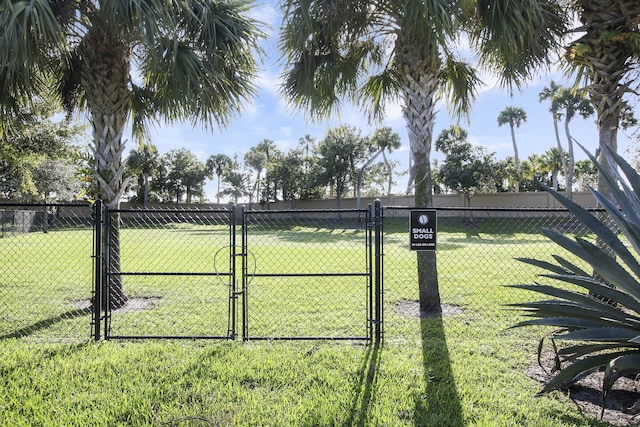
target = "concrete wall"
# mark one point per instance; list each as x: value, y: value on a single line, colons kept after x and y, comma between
x: 536, y: 200
x: 490, y: 200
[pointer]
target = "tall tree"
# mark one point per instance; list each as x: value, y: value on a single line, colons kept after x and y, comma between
x: 376, y: 51
x: 467, y: 169
x: 571, y: 102
x: 383, y: 139
x: 551, y: 162
x: 186, y: 174
x: 238, y: 182
x: 532, y: 173
x: 33, y: 135
x: 217, y: 164
x: 258, y: 158
x: 287, y: 171
x: 548, y: 94
x: 514, y: 116
x: 606, y: 55
x: 196, y: 60
x: 341, y: 152
x: 311, y: 189
x: 55, y: 181
x: 143, y: 163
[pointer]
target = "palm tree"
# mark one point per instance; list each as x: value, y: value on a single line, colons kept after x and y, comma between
x: 238, y: 181
x: 256, y: 160
x: 308, y: 146
x: 548, y: 94
x: 571, y: 102
x: 384, y: 50
x: 514, y: 116
x: 551, y: 161
x: 385, y: 139
x: 144, y: 162
x: 607, y: 57
x: 195, y: 60
x: 217, y: 164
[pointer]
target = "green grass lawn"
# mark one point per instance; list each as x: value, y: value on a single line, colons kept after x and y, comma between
x: 428, y: 381
x: 461, y: 370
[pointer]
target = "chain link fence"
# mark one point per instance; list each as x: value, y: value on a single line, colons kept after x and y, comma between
x: 262, y: 275
x: 477, y: 256
x: 46, y: 274
x: 175, y: 269
x: 308, y: 274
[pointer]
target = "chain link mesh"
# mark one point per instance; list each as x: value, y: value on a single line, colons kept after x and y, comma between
x: 175, y: 271
x: 308, y: 275
x: 46, y: 272
x: 305, y: 275
x: 477, y: 256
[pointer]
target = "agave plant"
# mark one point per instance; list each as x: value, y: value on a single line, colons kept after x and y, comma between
x: 598, y: 318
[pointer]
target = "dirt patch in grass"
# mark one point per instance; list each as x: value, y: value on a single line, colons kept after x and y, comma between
x: 133, y: 304
x: 587, y: 396
x: 412, y: 309
x: 139, y: 303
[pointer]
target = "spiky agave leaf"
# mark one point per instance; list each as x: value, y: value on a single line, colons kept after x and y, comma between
x: 603, y: 334
x: 580, y: 369
x: 616, y: 368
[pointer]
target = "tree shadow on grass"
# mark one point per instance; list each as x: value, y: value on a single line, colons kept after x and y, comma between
x: 439, y: 403
x: 46, y: 323
x: 365, y: 386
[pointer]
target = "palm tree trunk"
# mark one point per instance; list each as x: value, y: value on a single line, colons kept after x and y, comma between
x: 390, y: 171
x: 608, y: 136
x: 218, y: 191
x: 145, y: 198
x: 571, y: 165
x: 419, y: 112
x: 359, y: 185
x: 105, y: 74
x: 516, y: 158
x: 565, y: 169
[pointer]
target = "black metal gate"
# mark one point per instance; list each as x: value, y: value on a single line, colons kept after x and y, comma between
x: 179, y: 273
x: 318, y: 282
x: 168, y: 273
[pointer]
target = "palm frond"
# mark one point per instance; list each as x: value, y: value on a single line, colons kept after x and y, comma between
x: 30, y: 37
x: 516, y: 39
x: 460, y: 84
x: 201, y: 69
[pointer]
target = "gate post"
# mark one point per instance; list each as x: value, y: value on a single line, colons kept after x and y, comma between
x: 378, y: 271
x: 98, y: 266
x: 244, y: 290
x: 233, y: 294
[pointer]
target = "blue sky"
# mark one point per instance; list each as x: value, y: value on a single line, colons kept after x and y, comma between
x: 268, y: 116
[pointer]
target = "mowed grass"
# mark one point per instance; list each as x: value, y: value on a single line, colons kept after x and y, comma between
x: 458, y: 370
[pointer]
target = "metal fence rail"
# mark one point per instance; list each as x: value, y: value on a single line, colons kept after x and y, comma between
x: 46, y: 271
x: 308, y: 274
x: 477, y: 253
x: 176, y: 268
x: 262, y: 275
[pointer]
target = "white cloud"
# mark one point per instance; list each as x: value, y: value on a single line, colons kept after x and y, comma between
x: 267, y: 14
x: 268, y: 82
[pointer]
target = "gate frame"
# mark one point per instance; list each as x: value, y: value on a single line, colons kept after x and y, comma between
x: 373, y: 246
x: 103, y: 271
x: 102, y: 313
